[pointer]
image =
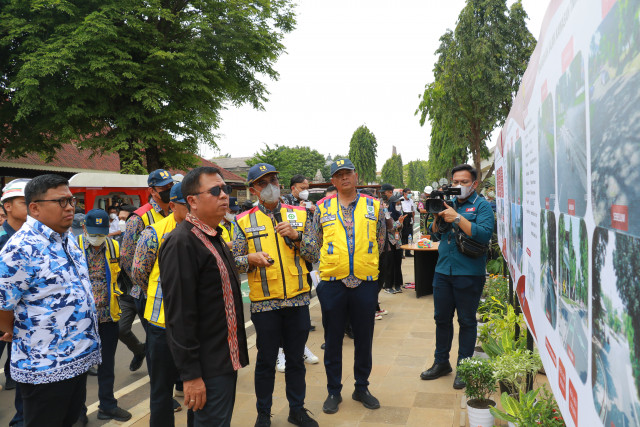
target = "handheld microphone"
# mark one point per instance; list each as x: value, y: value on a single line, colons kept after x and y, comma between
x: 278, y: 217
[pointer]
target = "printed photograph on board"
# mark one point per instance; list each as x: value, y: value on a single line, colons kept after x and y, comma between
x: 571, y: 138
x: 614, y: 92
x: 548, y: 277
x: 547, y: 156
x: 514, y: 174
x: 573, y: 301
x: 615, y: 355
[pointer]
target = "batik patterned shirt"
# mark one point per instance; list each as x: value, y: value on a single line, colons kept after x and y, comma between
x: 98, y: 276
x: 45, y: 282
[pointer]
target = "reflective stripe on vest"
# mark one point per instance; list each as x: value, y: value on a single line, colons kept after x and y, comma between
x: 154, y: 309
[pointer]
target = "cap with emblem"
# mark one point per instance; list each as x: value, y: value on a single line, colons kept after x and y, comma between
x: 341, y: 164
x: 76, y: 225
x: 14, y: 189
x: 259, y: 170
x: 387, y: 187
x: 233, y: 204
x: 176, y: 194
x: 97, y: 222
x: 159, y: 178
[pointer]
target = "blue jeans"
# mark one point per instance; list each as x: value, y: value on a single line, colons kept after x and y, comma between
x: 288, y: 326
x: 339, y: 304
x: 461, y: 294
x: 221, y: 397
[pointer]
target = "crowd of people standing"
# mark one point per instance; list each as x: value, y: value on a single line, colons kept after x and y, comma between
x: 71, y: 285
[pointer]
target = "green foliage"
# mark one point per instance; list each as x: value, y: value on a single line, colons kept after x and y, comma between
x: 392, y: 171
x: 146, y: 79
x: 531, y: 408
x: 363, y: 150
x: 416, y: 175
x: 498, y: 334
x: 477, y: 73
x: 496, y: 296
x: 290, y: 161
x: 478, y: 376
x: 513, y: 368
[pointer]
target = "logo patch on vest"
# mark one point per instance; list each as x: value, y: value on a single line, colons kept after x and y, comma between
x: 291, y: 216
x: 295, y: 224
x: 327, y: 218
x: 371, y: 210
x: 471, y: 209
x: 254, y: 229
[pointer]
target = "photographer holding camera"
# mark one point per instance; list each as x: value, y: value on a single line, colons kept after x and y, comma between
x: 464, y: 230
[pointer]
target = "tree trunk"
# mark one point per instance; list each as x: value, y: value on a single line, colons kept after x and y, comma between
x: 153, y: 158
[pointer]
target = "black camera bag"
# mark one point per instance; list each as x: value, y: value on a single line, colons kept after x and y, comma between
x: 468, y: 246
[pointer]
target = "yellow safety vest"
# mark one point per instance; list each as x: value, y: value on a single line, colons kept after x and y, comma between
x: 336, y: 261
x: 154, y: 309
x: 227, y: 235
x: 287, y: 277
x: 112, y: 268
x: 148, y: 214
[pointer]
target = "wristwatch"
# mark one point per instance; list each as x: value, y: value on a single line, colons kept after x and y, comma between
x: 457, y: 220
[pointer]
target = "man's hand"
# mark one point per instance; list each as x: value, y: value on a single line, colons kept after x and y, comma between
x: 285, y: 229
x: 195, y: 394
x: 449, y: 214
x: 259, y: 259
x: 6, y: 337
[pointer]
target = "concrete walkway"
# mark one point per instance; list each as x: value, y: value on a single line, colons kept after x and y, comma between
x: 402, y: 348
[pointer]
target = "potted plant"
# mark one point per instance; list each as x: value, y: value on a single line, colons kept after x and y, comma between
x: 480, y: 383
x: 515, y: 370
x: 497, y: 335
x: 531, y: 408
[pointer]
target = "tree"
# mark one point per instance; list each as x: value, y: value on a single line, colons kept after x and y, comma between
x: 144, y: 79
x: 477, y: 73
x: 290, y: 161
x: 416, y: 174
x: 392, y: 171
x: 363, y: 149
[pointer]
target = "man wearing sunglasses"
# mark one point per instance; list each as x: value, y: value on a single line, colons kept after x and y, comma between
x: 134, y: 300
x: 266, y: 246
x: 146, y: 273
x: 47, y: 308
x: 203, y: 308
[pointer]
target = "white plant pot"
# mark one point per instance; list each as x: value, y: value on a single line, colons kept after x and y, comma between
x: 479, y: 417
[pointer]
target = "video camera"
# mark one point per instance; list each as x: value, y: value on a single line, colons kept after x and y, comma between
x: 436, y: 200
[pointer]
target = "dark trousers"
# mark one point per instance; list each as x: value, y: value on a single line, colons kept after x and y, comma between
x: 393, y: 268
x: 7, y: 363
x: 141, y: 304
x: 54, y: 404
x: 129, y: 312
x: 339, y: 303
x: 162, y: 376
x: 221, y: 397
x: 289, y: 326
x: 461, y: 294
x: 18, y: 418
x: 108, y: 332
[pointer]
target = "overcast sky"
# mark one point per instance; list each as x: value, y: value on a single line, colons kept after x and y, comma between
x: 348, y: 63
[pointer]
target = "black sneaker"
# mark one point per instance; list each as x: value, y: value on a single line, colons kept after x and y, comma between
x: 264, y: 419
x: 10, y: 384
x: 116, y: 413
x: 458, y: 384
x: 436, y: 371
x: 367, y: 399
x: 177, y: 407
x: 397, y: 291
x: 136, y: 362
x: 301, y: 418
x: 330, y: 405
x: 93, y: 371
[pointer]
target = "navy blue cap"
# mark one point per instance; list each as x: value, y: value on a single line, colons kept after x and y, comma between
x: 159, y: 178
x: 387, y: 187
x: 97, y: 222
x: 233, y: 204
x: 176, y: 194
x: 259, y: 170
x: 341, y: 164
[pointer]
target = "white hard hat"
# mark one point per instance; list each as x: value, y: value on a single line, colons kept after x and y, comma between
x: 428, y: 189
x: 14, y: 189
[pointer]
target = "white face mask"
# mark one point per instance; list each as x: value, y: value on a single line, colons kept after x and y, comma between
x: 113, y: 216
x: 270, y: 194
x: 123, y: 225
x: 303, y: 195
x: 229, y: 217
x: 465, y: 191
x: 96, y: 239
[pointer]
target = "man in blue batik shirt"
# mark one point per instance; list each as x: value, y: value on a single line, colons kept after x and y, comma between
x: 458, y: 279
x: 47, y: 308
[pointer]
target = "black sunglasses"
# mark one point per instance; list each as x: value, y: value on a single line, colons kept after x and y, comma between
x: 63, y: 202
x: 215, y: 191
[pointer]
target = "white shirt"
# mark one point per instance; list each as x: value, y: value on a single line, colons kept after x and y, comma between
x: 407, y: 205
x: 114, y: 226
